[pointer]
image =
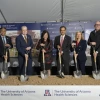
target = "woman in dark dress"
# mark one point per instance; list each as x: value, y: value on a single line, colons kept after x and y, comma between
x: 45, y: 45
x: 80, y: 49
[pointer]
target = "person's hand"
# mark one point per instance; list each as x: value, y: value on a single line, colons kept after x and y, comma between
x: 5, y: 57
x: 73, y: 44
x: 43, y: 51
x: 61, y: 52
x: 7, y: 45
x: 28, y: 48
x: 42, y: 44
x: 93, y: 43
x: 95, y: 54
x: 26, y: 56
x: 58, y: 46
x: 75, y: 55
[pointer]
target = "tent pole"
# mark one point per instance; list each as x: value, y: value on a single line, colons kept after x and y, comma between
x: 3, y: 16
x: 62, y: 11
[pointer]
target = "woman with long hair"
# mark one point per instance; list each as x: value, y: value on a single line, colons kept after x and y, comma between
x: 80, y: 47
x: 45, y: 45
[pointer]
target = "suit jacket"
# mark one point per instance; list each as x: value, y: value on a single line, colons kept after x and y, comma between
x: 95, y: 37
x: 65, y: 46
x: 21, y: 45
x: 2, y: 48
x: 48, y: 48
x: 80, y: 50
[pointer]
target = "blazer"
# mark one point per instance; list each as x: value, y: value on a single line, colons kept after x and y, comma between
x: 80, y: 50
x: 48, y: 48
x: 21, y: 45
x: 65, y: 46
x: 94, y: 37
x: 2, y: 48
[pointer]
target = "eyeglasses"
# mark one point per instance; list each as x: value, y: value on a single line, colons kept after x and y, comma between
x: 97, y: 24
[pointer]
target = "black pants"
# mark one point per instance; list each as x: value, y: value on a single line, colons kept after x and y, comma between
x: 65, y: 65
x: 97, y: 62
x: 81, y: 66
x: 22, y: 66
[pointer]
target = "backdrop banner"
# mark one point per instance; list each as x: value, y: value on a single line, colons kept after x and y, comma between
x: 49, y: 92
x: 35, y: 30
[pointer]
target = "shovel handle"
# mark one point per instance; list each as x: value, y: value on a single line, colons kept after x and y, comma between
x: 59, y: 57
x: 93, y: 46
x: 94, y: 56
x: 75, y: 56
x: 26, y: 59
x: 43, y: 57
x: 60, y: 60
x: 43, y: 62
x: 6, y: 57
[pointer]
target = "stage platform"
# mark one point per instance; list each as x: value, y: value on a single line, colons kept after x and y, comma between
x: 52, y: 80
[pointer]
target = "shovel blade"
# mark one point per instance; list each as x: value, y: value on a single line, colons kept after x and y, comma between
x: 23, y: 78
x: 44, y: 75
x: 4, y: 75
x: 61, y: 74
x: 96, y: 75
x: 77, y: 74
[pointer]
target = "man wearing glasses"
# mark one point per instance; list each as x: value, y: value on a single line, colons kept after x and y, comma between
x: 94, y: 42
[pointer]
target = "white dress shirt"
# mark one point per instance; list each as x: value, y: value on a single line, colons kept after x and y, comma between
x: 4, y: 39
x: 24, y: 36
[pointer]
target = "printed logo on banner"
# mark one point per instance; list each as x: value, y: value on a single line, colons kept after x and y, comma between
x: 47, y: 93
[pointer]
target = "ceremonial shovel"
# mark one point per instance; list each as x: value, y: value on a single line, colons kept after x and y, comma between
x: 5, y: 72
x: 44, y: 73
x: 96, y: 73
x: 77, y: 73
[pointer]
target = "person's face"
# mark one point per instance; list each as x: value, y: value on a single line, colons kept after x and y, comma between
x: 62, y: 31
x: 45, y: 36
x: 78, y: 36
x: 3, y: 32
x: 24, y: 30
x: 97, y: 26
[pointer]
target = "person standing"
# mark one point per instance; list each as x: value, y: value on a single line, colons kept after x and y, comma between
x: 45, y: 45
x: 80, y: 46
x: 24, y: 46
x: 63, y: 42
x: 94, y: 42
x: 5, y: 45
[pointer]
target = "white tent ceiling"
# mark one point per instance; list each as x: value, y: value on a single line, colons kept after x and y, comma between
x: 49, y: 10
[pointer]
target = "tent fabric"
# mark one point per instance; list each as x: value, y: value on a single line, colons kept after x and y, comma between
x: 49, y: 10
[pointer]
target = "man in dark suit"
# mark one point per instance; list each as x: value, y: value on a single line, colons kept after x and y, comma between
x: 63, y: 42
x: 94, y: 40
x: 5, y: 44
x: 24, y: 45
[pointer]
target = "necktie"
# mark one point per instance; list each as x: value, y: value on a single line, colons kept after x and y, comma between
x: 25, y: 38
x: 61, y: 41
